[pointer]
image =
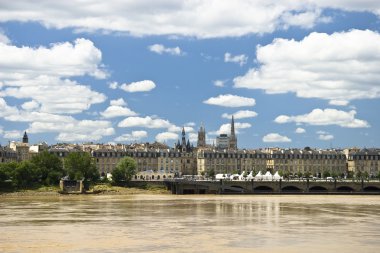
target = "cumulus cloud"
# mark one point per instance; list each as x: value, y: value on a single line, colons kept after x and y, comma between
x: 166, y: 136
x: 275, y: 137
x: 226, y: 128
x: 6, y: 110
x: 141, y: 86
x: 118, y: 102
x: 240, y: 114
x: 114, y: 111
x: 41, y: 74
x: 3, y: 38
x: 147, y: 122
x: 77, y: 130
x: 30, y: 105
x: 12, y: 134
x: 113, y: 85
x: 300, y: 130
x: 240, y: 59
x: 326, y: 137
x: 229, y: 100
x: 325, y: 117
x: 161, y: 49
x: 134, y: 136
x: 117, y: 109
x: 219, y: 83
x: 339, y: 67
x: 201, y: 19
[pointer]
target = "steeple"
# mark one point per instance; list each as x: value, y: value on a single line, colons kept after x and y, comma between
x: 183, y: 139
x: 25, y: 138
x: 201, y: 137
x: 233, y: 140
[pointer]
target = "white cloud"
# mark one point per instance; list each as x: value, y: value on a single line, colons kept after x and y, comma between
x: 141, y: 86
x: 219, y: 83
x: 190, y: 124
x: 113, y: 85
x: 114, y: 111
x: 117, y: 109
x: 30, y: 105
x: 275, y: 137
x: 325, y: 117
x: 134, y: 136
x: 6, y: 110
x: 3, y: 38
x: 226, y: 128
x: 41, y: 73
x: 166, y: 136
x: 12, y: 134
x: 29, y: 116
x: 201, y: 19
x: 160, y: 49
x: 147, y: 122
x: 240, y: 59
x: 240, y: 114
x: 300, y: 130
x: 83, y: 130
x: 325, y: 137
x: 230, y: 101
x: 339, y: 67
x: 118, y: 102
x: 193, y: 137
x: 339, y: 102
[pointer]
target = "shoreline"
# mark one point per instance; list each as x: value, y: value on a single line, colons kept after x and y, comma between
x: 97, y: 190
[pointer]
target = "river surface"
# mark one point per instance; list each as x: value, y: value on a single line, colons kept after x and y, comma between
x: 191, y: 223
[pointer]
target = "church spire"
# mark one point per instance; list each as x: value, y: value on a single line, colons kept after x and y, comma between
x: 183, y: 139
x: 232, y: 140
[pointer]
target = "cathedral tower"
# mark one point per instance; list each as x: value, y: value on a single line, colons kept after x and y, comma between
x: 201, y: 137
x: 233, y: 141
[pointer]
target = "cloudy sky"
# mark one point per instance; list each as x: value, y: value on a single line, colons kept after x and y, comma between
x: 293, y: 73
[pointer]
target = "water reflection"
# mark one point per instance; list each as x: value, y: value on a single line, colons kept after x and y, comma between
x: 145, y: 223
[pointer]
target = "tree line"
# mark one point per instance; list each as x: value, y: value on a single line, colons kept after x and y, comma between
x: 47, y: 169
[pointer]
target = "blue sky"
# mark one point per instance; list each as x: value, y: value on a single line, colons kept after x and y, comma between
x: 293, y: 74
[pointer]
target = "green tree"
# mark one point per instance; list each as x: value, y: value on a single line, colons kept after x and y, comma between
x: 124, y: 170
x: 80, y: 165
x: 326, y: 174
x: 359, y: 174
x: 26, y: 174
x: 50, y: 166
x: 211, y: 173
x: 7, y: 170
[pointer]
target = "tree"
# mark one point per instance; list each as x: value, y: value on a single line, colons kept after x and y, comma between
x: 50, y: 166
x: 124, y: 170
x: 26, y: 174
x: 359, y: 174
x: 80, y: 165
x: 211, y: 173
x: 7, y: 170
x: 326, y: 174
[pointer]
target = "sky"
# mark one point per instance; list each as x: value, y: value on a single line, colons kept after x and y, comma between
x: 293, y: 73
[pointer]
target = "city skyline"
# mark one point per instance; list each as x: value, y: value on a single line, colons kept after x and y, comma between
x: 292, y: 74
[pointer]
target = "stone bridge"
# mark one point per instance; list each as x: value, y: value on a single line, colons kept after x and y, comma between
x: 181, y: 186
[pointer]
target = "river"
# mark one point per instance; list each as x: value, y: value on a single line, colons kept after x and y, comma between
x: 190, y: 223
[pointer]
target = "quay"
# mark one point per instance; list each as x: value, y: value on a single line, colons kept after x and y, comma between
x: 186, y: 186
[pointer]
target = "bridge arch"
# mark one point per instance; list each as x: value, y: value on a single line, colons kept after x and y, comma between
x: 317, y: 188
x: 291, y: 188
x: 233, y: 188
x: 263, y: 188
x: 345, y: 189
x: 371, y: 189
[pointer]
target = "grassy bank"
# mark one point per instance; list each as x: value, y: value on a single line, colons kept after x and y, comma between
x: 98, y: 189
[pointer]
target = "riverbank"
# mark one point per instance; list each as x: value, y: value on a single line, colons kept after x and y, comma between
x: 101, y: 189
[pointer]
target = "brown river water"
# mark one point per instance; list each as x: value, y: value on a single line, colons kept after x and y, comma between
x: 190, y: 223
